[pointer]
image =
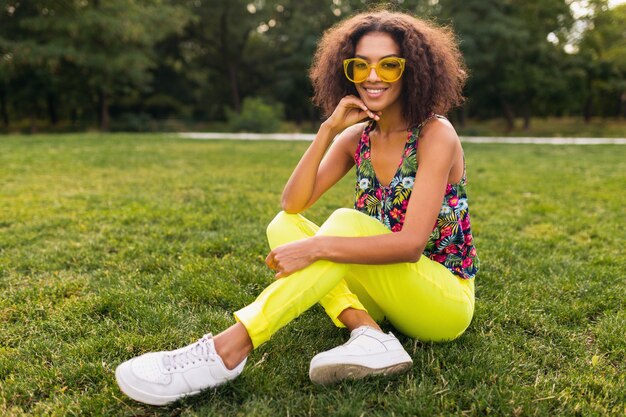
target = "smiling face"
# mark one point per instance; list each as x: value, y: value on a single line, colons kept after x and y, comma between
x: 377, y: 94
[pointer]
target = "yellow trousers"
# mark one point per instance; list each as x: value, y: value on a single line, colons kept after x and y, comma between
x: 423, y: 300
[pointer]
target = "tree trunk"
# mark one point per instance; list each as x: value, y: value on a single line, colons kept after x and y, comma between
x: 234, y: 86
x: 508, y: 115
x: 3, y: 108
x: 231, y: 51
x: 314, y: 118
x: 527, y: 116
x: 103, y: 104
x: 52, y: 111
x: 33, y: 122
x: 462, y: 113
x: 587, y: 109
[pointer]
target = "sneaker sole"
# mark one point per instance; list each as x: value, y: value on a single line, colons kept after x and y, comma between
x: 144, y: 397
x: 331, y: 374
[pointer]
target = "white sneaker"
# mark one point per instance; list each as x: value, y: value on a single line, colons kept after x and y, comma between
x: 159, y: 378
x: 368, y: 352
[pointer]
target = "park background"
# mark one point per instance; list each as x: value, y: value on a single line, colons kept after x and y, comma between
x: 119, y: 236
x: 549, y: 67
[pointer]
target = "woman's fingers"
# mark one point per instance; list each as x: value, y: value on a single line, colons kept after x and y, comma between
x: 349, y: 111
x: 353, y: 101
x: 291, y: 257
x: 270, y: 261
x: 275, y: 265
x: 367, y: 112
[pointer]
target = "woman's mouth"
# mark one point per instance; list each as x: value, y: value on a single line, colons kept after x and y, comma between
x: 374, y: 92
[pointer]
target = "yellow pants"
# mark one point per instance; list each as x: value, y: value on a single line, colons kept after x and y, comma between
x: 423, y: 300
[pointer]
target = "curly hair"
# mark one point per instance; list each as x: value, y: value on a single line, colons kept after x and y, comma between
x: 434, y: 74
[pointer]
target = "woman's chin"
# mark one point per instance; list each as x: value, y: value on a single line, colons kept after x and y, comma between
x: 373, y: 106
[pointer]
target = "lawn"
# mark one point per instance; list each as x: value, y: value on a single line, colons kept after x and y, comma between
x: 114, y: 245
x: 548, y: 127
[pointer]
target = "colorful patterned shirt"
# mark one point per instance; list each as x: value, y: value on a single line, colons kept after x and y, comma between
x: 451, y: 242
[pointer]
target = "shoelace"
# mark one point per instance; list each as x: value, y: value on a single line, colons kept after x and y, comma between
x: 202, y: 350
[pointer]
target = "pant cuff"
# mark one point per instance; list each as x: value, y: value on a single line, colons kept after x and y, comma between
x: 255, y: 323
x: 335, y: 307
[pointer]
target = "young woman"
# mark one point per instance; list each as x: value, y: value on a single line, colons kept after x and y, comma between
x: 405, y: 252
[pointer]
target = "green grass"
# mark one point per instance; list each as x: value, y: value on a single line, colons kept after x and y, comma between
x: 114, y: 245
x: 539, y: 127
x: 548, y: 127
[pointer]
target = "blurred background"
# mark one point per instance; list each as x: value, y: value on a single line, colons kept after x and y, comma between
x: 537, y: 67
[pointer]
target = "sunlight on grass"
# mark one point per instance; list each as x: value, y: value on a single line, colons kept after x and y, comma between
x: 114, y: 245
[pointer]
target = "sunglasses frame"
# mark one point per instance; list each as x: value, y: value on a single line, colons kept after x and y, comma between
x: 347, y: 62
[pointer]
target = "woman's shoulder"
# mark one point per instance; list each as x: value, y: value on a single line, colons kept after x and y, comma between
x: 438, y: 141
x: 438, y: 131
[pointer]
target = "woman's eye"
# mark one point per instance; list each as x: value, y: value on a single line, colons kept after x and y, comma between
x: 390, y: 65
x: 360, y: 65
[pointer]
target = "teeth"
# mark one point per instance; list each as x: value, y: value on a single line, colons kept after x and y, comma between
x: 371, y: 90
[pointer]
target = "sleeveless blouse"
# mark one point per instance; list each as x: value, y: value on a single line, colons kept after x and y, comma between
x: 450, y: 243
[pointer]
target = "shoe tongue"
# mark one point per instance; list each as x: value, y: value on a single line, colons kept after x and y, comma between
x: 200, y: 349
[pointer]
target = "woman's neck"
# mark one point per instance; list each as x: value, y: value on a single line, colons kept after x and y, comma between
x: 391, y: 121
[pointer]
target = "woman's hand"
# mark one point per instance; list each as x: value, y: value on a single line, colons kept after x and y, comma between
x: 292, y: 257
x: 350, y: 111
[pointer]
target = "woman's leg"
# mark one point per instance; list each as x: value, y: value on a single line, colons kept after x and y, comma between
x: 369, y: 351
x: 343, y: 306
x: 163, y: 377
x: 287, y: 298
x: 423, y: 299
x: 160, y: 378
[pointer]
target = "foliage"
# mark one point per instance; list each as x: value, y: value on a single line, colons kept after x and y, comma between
x: 80, y: 60
x: 603, y: 49
x: 107, y: 50
x: 256, y: 116
x: 514, y: 68
x: 114, y: 245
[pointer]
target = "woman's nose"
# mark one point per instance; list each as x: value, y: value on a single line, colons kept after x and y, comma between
x: 373, y: 75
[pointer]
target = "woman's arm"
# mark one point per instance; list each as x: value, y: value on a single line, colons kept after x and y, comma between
x: 318, y: 170
x: 439, y: 149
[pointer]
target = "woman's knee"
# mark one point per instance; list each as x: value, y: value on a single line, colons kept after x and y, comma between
x: 342, y: 222
x: 286, y: 227
x: 278, y: 221
x: 350, y: 223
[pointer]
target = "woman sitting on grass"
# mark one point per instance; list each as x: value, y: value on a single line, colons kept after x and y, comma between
x: 405, y: 252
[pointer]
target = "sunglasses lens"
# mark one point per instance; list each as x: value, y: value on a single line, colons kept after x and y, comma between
x: 357, y: 70
x: 389, y: 69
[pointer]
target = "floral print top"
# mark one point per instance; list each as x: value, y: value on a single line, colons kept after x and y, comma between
x: 451, y: 242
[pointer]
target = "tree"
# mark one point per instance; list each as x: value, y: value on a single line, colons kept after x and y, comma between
x: 106, y: 46
x: 83, y: 59
x: 219, y: 36
x: 20, y: 83
x: 602, y: 51
x: 513, y: 51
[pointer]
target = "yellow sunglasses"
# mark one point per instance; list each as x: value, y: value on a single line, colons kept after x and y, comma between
x: 389, y: 69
